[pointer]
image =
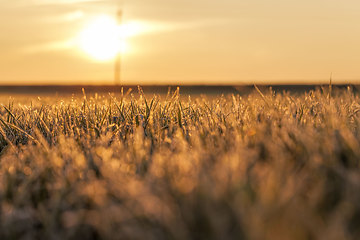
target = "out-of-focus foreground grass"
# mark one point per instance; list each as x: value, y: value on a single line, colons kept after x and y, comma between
x: 262, y: 166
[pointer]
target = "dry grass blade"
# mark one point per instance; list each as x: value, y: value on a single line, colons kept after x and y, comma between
x: 9, y: 125
x: 330, y: 88
x: 3, y: 134
x: 261, y: 94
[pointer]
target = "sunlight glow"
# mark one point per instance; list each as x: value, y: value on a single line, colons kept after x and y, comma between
x: 102, y: 38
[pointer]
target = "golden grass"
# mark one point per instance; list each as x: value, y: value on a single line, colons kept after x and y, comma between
x: 262, y: 166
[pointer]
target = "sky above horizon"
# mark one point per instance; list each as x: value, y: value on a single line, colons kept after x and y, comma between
x: 182, y: 42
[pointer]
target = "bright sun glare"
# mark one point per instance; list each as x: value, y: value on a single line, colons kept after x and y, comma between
x: 103, y: 38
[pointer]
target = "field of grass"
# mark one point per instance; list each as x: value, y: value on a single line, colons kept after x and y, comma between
x: 261, y: 166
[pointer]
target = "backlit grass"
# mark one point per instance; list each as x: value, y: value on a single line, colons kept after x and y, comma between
x: 262, y: 166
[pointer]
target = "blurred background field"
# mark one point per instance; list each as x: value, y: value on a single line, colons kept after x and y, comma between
x: 185, y: 90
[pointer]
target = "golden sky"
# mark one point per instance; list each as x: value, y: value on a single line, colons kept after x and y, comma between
x: 183, y: 41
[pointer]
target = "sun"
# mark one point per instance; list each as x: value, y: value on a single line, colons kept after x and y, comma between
x: 102, y: 38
